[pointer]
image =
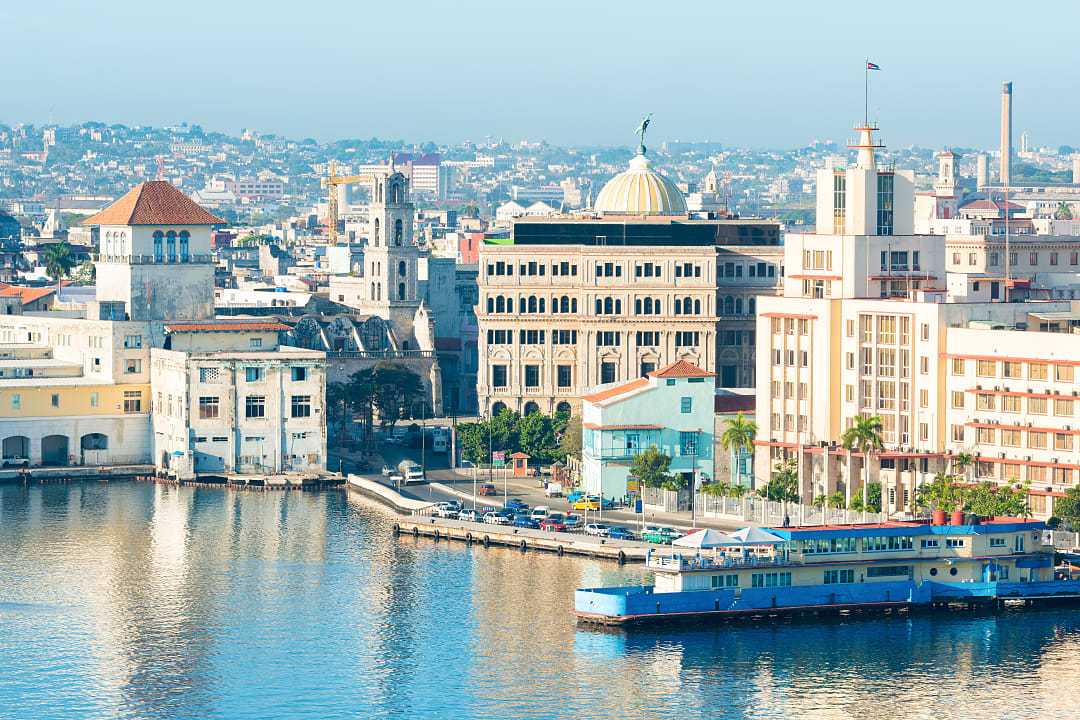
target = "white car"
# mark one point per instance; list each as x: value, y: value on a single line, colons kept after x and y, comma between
x: 396, y: 478
x: 387, y: 471
x: 539, y: 512
x: 494, y: 518
x: 447, y: 510
x: 596, y: 530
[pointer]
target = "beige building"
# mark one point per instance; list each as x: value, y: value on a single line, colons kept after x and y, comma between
x: 573, y: 302
x: 889, y: 326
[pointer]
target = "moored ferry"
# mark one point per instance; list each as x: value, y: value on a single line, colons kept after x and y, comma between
x: 838, y: 568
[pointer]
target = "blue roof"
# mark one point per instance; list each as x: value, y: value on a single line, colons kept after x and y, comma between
x: 903, y: 529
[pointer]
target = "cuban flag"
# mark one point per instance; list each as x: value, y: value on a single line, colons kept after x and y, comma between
x: 872, y: 66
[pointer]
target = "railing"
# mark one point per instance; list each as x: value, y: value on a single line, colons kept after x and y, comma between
x: 703, y: 562
x: 769, y: 512
x: 151, y: 259
x: 379, y: 354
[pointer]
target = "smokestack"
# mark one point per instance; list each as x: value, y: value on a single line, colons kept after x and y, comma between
x: 982, y: 171
x: 1006, y: 132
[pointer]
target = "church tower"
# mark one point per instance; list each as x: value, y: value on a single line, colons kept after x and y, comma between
x: 390, y: 257
x: 945, y: 185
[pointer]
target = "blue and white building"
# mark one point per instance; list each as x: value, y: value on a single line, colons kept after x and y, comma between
x: 671, y: 408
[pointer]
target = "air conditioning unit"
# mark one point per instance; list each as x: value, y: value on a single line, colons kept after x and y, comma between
x: 978, y: 387
x: 1001, y: 454
x: 1054, y: 460
x: 1027, y: 458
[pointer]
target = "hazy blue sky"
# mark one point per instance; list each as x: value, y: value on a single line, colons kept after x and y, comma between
x: 761, y: 73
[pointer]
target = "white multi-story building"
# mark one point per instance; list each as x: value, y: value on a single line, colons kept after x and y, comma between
x: 884, y: 324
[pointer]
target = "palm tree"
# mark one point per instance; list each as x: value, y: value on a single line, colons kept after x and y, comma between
x: 738, y: 437
x: 58, y: 263
x: 961, y: 462
x: 864, y: 436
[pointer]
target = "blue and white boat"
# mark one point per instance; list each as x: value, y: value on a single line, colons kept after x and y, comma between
x: 839, y: 568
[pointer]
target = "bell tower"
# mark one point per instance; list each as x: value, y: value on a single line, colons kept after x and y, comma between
x: 390, y: 257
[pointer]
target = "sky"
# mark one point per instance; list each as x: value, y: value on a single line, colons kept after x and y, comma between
x: 768, y: 73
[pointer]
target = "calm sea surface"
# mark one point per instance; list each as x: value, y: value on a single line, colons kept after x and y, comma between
x: 141, y: 601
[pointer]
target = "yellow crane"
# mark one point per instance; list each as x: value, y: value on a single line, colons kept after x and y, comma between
x: 332, y: 180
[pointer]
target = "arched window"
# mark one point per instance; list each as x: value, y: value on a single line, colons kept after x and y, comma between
x: 532, y: 304
x: 599, y: 306
x: 185, y: 244
x: 378, y: 291
x: 500, y: 304
x: 491, y: 305
x: 401, y: 291
x: 697, y: 307
x: 372, y: 296
x: 401, y: 268
x: 542, y: 303
x: 566, y: 304
x: 608, y: 306
x: 729, y: 305
x: 637, y: 306
x: 376, y: 238
x: 618, y: 306
x: 648, y: 306
x: 738, y: 306
x: 397, y: 232
x: 751, y: 306
x: 573, y: 305
x: 678, y: 306
x: 159, y: 246
x: 170, y: 245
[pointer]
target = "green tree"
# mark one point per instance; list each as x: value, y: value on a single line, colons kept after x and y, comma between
x: 397, y: 390
x: 338, y: 405
x: 536, y: 437
x: 360, y: 396
x: 942, y: 493
x: 737, y: 438
x: 864, y: 436
x: 1063, y: 212
x: 650, y: 466
x: 870, y: 500
x: 990, y: 499
x: 783, y: 486
x: 58, y: 262
x: 962, y: 463
x: 474, y: 441
x: 85, y: 274
x: 1068, y: 508
x: 570, y: 440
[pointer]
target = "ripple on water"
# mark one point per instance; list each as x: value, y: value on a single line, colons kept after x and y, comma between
x: 144, y: 601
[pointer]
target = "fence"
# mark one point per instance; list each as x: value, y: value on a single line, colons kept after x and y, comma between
x: 768, y: 512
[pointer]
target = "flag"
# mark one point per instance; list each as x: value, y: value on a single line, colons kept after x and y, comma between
x: 872, y: 66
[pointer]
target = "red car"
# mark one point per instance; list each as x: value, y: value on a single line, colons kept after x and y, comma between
x: 488, y: 489
x: 553, y: 523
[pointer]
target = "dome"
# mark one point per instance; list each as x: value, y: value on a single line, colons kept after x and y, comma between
x: 640, y: 190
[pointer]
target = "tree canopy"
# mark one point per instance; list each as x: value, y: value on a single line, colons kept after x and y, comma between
x: 651, y: 465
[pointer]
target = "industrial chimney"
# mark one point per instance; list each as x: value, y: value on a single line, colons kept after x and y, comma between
x: 1006, y: 132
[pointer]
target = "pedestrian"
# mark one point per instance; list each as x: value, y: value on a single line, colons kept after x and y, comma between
x: 787, y: 520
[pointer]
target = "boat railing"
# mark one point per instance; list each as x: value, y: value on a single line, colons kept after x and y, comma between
x: 702, y: 562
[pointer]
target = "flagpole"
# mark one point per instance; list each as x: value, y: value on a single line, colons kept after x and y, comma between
x: 866, y: 92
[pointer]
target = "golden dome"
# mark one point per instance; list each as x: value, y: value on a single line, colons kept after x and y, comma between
x: 640, y: 190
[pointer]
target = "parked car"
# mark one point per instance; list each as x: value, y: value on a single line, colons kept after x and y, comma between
x: 539, y: 512
x: 496, y: 518
x: 572, y: 521
x: 553, y: 523
x: 470, y: 515
x: 448, y: 510
x: 387, y: 470
x: 574, y: 495
x: 553, y: 490
x: 488, y: 489
x: 515, y: 504
x: 592, y: 502
x: 618, y: 532
x: 660, y: 535
x: 466, y: 464
x: 596, y: 529
x: 524, y: 521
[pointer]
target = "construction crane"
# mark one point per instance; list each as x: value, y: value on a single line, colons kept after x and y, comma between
x: 332, y: 180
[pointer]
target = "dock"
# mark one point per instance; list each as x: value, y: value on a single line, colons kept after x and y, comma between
x: 286, y: 481
x: 523, y: 539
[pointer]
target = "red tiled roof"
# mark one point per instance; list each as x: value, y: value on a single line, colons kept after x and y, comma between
x: 27, y: 294
x: 985, y: 204
x: 226, y: 327
x: 155, y: 202
x: 681, y: 369
x: 611, y: 392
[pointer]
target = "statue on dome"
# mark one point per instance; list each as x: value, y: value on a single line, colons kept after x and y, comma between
x: 641, y: 132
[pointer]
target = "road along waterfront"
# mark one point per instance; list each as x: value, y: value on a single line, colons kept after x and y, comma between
x: 134, y: 600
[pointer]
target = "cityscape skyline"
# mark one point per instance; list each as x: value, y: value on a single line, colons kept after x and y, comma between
x: 554, y: 69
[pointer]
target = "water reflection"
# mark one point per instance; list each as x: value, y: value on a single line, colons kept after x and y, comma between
x: 144, y: 601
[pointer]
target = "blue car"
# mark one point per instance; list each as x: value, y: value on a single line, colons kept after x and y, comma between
x: 620, y: 533
x: 515, y: 504
x: 574, y: 496
x: 524, y: 521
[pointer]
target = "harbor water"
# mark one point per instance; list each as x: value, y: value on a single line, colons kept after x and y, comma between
x: 131, y: 600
